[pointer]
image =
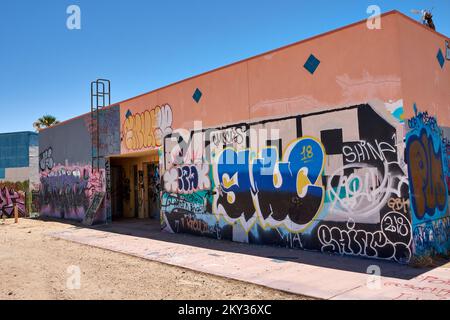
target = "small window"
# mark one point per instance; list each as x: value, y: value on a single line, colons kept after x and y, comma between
x: 332, y: 141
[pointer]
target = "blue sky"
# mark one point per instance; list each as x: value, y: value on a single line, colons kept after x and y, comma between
x: 141, y: 45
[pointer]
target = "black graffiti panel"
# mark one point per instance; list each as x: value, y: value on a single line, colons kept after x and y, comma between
x: 344, y: 191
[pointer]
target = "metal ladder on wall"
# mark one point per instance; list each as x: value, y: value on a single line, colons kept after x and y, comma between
x: 100, y: 98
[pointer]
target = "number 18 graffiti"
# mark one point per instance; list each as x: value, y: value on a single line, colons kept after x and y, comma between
x: 287, y: 192
x: 307, y: 153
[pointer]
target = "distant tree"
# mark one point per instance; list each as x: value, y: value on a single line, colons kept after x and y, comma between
x: 45, y: 121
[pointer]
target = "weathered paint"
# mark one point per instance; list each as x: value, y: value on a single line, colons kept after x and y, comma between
x: 68, y: 182
x: 427, y: 157
x: 18, y: 171
x: 303, y: 146
x: 340, y: 189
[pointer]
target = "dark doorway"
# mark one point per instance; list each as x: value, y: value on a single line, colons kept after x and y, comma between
x: 117, y: 192
x: 153, y: 190
x: 136, y: 191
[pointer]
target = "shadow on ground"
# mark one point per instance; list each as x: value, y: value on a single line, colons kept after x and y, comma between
x: 150, y: 229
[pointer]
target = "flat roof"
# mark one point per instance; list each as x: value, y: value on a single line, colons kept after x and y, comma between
x: 252, y: 58
x: 21, y: 132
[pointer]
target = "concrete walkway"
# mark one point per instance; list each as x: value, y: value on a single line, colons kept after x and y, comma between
x: 307, y: 273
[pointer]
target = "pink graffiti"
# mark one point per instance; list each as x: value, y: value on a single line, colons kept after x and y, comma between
x: 78, y: 177
x: 9, y: 198
x: 96, y: 183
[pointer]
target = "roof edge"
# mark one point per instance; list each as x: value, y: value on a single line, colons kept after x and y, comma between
x: 421, y: 25
x: 19, y: 132
x: 249, y: 59
x: 261, y: 55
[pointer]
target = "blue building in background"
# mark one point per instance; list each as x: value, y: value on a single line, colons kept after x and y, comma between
x: 19, y: 172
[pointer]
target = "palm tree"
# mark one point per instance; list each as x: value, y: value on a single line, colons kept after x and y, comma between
x: 45, y: 122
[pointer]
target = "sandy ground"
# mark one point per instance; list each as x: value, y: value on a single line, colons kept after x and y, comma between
x: 35, y: 266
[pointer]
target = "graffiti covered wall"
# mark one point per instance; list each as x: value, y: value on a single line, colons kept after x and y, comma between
x: 11, y: 194
x: 427, y: 154
x: 108, y: 127
x: 18, y: 172
x: 331, y: 181
x: 66, y: 192
x: 334, y: 181
x: 68, y: 182
x: 146, y: 130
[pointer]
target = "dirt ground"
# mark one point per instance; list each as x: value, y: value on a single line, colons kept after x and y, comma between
x: 36, y: 266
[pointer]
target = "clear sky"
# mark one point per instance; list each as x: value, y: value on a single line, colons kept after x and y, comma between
x: 141, y: 45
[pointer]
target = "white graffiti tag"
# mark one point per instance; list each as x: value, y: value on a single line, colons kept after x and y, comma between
x: 391, y: 242
x: 364, y: 192
x: 187, y: 179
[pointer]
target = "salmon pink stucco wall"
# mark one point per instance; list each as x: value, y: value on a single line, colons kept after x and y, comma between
x: 341, y: 161
x: 339, y: 167
x: 424, y: 82
x: 357, y: 65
